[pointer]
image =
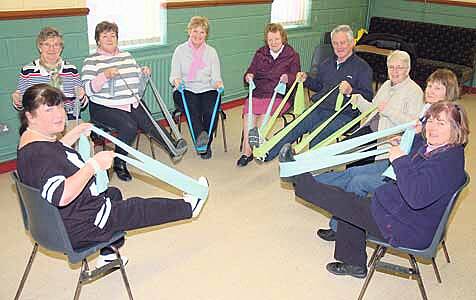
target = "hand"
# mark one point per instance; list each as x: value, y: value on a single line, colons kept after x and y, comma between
x: 81, y: 95
x: 284, y: 78
x: 177, y: 82
x: 395, y: 141
x: 301, y: 76
x: 83, y: 128
x: 111, y: 73
x: 146, y: 70
x: 395, y: 152
x: 345, y: 88
x: 16, y: 100
x: 104, y: 159
x: 249, y: 77
x: 218, y: 84
x: 381, y: 106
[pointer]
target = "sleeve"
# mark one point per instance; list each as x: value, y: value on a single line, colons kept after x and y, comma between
x: 23, y: 81
x: 175, y: 67
x: 364, y: 83
x: 215, y: 66
x: 363, y: 104
x: 253, y: 66
x: 90, y: 74
x: 315, y: 83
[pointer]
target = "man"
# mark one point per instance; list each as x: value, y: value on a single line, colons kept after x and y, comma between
x: 353, y: 75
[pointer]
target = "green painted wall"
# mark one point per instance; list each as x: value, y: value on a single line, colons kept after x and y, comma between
x: 425, y: 12
x: 235, y: 31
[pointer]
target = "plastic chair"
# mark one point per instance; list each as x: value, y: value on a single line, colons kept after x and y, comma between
x: 427, y: 253
x: 177, y: 114
x: 47, y: 230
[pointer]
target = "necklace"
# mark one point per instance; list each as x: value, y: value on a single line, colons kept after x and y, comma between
x: 47, y: 137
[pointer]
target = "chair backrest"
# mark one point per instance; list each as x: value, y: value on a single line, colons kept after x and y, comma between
x: 42, y: 219
x: 440, y: 233
x: 321, y: 52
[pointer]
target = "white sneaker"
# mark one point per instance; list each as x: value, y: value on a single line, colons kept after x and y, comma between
x: 196, y: 203
x: 103, y: 260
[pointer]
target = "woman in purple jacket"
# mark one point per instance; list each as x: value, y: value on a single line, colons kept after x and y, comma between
x: 405, y: 212
x: 273, y: 63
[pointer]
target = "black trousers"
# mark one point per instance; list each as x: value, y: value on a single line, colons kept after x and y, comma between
x: 127, y: 124
x: 133, y: 213
x: 200, y: 107
x: 365, y: 161
x: 355, y: 219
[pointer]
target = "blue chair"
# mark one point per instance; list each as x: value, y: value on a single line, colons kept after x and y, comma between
x: 46, y: 227
x: 427, y: 253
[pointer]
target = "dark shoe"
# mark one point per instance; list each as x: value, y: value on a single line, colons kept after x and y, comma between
x: 327, y: 234
x: 207, y: 155
x: 244, y: 160
x: 181, y: 147
x: 121, y: 170
x: 340, y: 268
x: 286, y: 153
x: 202, y: 140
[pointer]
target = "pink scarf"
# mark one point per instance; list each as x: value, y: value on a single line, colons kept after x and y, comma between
x: 197, y: 60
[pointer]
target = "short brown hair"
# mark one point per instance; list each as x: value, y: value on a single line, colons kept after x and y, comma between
x: 456, y: 116
x: 46, y: 33
x: 275, y: 27
x: 196, y: 21
x: 447, y: 78
x: 105, y: 26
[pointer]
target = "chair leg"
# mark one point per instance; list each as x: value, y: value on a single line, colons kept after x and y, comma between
x: 123, y: 272
x: 414, y: 265
x: 79, y: 285
x: 379, y: 253
x: 27, y: 271
x: 137, y: 141
x: 443, y: 244
x: 374, y: 254
x: 151, y: 147
x: 435, y: 267
x: 222, y: 116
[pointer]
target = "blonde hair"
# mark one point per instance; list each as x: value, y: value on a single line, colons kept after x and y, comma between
x: 448, y: 79
x: 275, y: 27
x: 198, y: 21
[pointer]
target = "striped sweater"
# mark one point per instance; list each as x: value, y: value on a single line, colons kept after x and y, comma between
x: 125, y: 86
x: 35, y: 73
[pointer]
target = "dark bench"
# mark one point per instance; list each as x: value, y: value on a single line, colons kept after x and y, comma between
x: 437, y: 46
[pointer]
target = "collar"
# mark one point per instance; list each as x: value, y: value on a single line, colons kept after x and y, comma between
x: 276, y: 54
x: 44, y: 71
x: 401, y: 84
x: 345, y: 61
x: 102, y: 52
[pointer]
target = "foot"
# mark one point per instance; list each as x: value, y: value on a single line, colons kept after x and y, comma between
x: 244, y: 160
x: 340, y: 268
x: 327, y: 234
x: 207, y: 155
x: 196, y: 203
x: 103, y: 260
x: 202, y: 140
x: 286, y: 153
x: 121, y: 170
x: 254, y: 137
x: 181, y: 148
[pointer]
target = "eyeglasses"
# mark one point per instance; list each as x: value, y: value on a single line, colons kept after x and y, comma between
x: 54, y: 46
x: 398, y: 68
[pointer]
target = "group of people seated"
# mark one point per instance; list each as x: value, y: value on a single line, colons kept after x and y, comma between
x: 404, y: 211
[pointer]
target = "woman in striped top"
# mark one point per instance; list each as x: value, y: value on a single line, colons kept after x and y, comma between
x: 111, y: 79
x: 50, y: 68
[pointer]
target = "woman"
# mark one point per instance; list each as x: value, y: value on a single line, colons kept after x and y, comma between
x: 442, y: 85
x: 406, y: 212
x: 112, y: 78
x: 52, y: 69
x: 195, y: 64
x: 273, y: 63
x: 68, y: 182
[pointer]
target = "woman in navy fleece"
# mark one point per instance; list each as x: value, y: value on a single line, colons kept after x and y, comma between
x: 408, y: 211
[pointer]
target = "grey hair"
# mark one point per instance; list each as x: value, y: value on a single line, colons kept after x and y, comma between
x: 343, y: 28
x: 401, y: 56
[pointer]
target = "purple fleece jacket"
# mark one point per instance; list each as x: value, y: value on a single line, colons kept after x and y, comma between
x: 409, y: 211
x: 267, y: 71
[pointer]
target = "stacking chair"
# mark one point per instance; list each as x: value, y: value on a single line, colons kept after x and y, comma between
x: 427, y: 253
x: 177, y: 114
x: 47, y: 230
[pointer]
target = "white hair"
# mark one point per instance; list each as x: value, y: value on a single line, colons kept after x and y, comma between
x: 346, y: 29
x: 401, y: 56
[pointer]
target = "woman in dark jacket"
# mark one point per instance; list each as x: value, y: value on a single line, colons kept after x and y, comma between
x: 273, y: 63
x: 405, y: 212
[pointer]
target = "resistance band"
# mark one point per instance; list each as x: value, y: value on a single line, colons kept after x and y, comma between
x: 202, y: 147
x: 330, y: 156
x: 260, y: 152
x: 156, y: 168
x: 251, y: 87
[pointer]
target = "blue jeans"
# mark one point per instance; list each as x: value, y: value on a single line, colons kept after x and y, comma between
x: 312, y: 121
x: 360, y: 180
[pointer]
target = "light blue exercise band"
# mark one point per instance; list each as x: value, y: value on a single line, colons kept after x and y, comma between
x: 279, y: 89
x: 405, y: 144
x: 251, y: 87
x: 84, y: 149
x: 156, y: 168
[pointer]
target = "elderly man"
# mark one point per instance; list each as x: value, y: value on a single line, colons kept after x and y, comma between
x: 353, y: 75
x: 399, y: 100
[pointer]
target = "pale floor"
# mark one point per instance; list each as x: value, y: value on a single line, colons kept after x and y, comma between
x: 254, y: 240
